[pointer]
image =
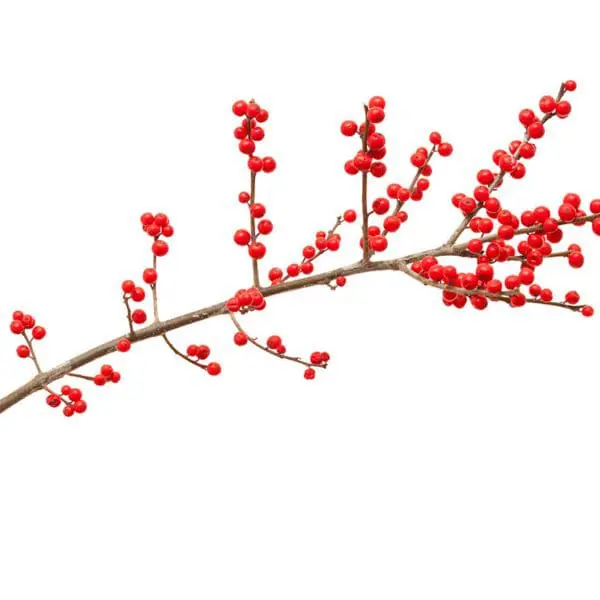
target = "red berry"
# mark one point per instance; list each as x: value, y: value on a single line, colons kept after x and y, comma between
x: 350, y: 167
x: 252, y: 110
x: 38, y: 333
x: 138, y: 294
x: 23, y: 351
x: 257, y: 133
x: 68, y: 411
x: 258, y: 211
x: 572, y: 297
x: 99, y: 379
x: 570, y: 85
x: 240, y: 339
x: 241, y: 237
x: 257, y: 250
x: 203, y: 352
x: 150, y: 276
x: 309, y: 373
x: 239, y: 108
x: 377, y: 101
x: 293, y: 270
x: 80, y: 406
x: 17, y: 327
x: 587, y: 311
x: 391, y: 223
x: 247, y: 146
x: 547, y: 104
x: 53, y: 400
x: 445, y: 149
x: 106, y: 370
x: 265, y: 227
x: 381, y: 206
x: 275, y: 274
x: 75, y: 394
x: 123, y: 345
x: 435, y: 138
x: 563, y: 108
x: 378, y: 243
x: 340, y: 281
x: 255, y: 164
x: 349, y: 128
x: 576, y: 260
x: 138, y: 316
x: 527, y: 117
x: 128, y: 286
x: 273, y: 342
x: 375, y: 114
x: 536, y: 130
x: 160, y: 248
x: 268, y: 164
x: 596, y: 225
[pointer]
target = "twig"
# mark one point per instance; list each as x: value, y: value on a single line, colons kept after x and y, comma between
x: 364, y: 206
x: 266, y: 349
x: 499, y: 178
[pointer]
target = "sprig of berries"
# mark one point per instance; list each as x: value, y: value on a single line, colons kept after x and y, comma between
x: 249, y: 132
x: 275, y: 347
x: 501, y: 263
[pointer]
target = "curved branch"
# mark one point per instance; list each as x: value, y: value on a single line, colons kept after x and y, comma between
x: 268, y: 350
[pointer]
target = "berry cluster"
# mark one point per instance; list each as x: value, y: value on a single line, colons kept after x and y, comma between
x: 107, y: 375
x: 71, y: 397
x: 541, y: 230
x: 136, y: 294
x: 329, y: 241
x: 245, y: 300
x: 500, y: 263
x: 274, y: 345
x: 249, y: 132
x: 202, y: 352
x: 21, y: 325
x: 156, y: 226
x: 368, y: 158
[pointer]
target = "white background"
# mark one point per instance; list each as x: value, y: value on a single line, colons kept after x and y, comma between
x: 445, y: 453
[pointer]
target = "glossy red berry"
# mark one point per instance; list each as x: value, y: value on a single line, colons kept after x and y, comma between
x: 377, y: 101
x: 38, y: 333
x: 160, y: 248
x: 536, y: 130
x: 241, y: 237
x: 349, y: 128
x: 17, y: 327
x: 239, y: 108
x: 53, y: 400
x: 268, y: 164
x: 123, y: 345
x: 138, y: 316
x: 23, y: 351
x: 273, y: 342
x: 150, y: 276
x: 547, y: 104
x: 240, y: 339
x: 375, y: 114
x: 309, y: 373
x: 257, y: 250
x: 587, y: 311
x: 445, y: 149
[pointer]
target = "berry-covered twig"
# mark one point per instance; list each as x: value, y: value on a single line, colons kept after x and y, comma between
x: 480, y: 272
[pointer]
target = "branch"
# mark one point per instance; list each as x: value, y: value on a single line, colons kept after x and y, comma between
x: 268, y: 350
x: 500, y: 177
